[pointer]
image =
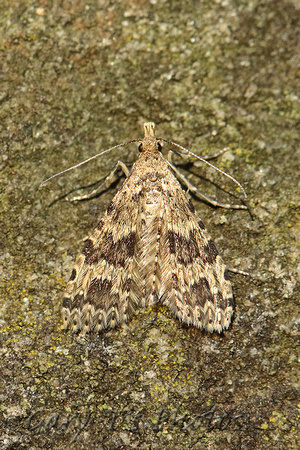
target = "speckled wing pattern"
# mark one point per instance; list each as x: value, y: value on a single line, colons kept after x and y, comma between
x: 149, y: 247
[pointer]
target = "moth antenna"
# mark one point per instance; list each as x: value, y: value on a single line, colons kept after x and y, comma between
x: 89, y: 159
x: 206, y: 162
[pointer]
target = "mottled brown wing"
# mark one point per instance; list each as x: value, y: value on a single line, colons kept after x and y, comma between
x: 192, y: 280
x: 102, y: 291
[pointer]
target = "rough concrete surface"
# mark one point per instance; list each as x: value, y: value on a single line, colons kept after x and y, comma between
x: 78, y: 77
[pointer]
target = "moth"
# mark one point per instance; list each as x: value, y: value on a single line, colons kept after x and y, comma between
x: 150, y: 246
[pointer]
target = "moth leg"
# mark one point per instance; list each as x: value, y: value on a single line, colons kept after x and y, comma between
x: 195, y: 191
x: 109, y: 180
x: 239, y: 272
x: 216, y: 154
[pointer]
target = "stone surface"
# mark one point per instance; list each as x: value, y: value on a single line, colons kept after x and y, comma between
x: 78, y: 77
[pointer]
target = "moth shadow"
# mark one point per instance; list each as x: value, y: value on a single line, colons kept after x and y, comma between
x: 87, y: 187
x: 188, y: 168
